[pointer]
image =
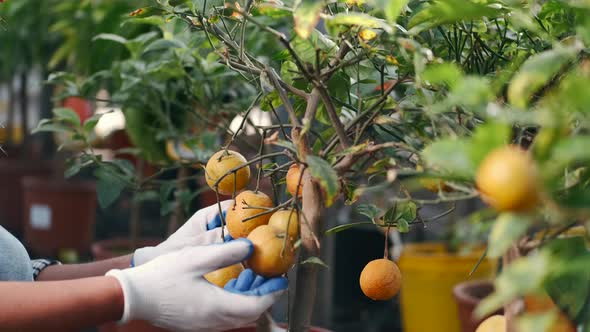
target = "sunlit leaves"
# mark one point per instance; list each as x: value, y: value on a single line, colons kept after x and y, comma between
x: 360, y: 19
x: 307, y: 16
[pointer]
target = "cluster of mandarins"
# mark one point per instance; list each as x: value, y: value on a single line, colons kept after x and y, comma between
x: 272, y: 233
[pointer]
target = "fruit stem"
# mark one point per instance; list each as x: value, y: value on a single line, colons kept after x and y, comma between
x: 260, y: 149
x: 386, y: 251
x: 220, y: 213
x: 237, y: 168
x: 271, y: 210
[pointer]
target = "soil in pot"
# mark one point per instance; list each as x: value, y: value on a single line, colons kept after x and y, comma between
x: 58, y: 214
x: 11, y: 196
x: 429, y: 274
x: 468, y: 295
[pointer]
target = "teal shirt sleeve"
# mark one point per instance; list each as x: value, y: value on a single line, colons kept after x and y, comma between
x: 15, y: 263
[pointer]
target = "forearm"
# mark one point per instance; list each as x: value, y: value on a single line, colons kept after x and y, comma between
x: 59, y: 305
x: 78, y: 271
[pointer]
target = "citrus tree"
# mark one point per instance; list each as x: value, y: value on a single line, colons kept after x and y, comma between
x: 466, y: 98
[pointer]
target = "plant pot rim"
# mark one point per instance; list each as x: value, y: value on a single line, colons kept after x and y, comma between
x: 463, y: 292
x: 57, y: 184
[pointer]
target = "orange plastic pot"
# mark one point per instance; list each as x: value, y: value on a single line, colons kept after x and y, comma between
x: 429, y: 274
x: 58, y: 214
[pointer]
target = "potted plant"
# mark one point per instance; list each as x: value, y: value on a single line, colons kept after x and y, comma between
x: 461, y: 87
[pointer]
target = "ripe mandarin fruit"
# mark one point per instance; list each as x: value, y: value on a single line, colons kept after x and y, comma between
x: 507, y: 180
x: 293, y: 180
x: 496, y: 323
x: 242, y: 210
x: 219, y: 164
x: 380, y: 279
x: 269, y: 259
x: 282, y: 219
x: 222, y: 276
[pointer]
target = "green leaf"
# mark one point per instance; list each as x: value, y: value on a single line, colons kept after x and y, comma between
x: 486, y: 138
x: 341, y: 228
x: 307, y: 16
x: 524, y: 275
x: 452, y: 11
x: 507, y: 229
x: 392, y: 8
x: 447, y: 73
x: 52, y: 127
x: 401, y: 215
x: 360, y: 19
x: 323, y: 172
x: 90, y: 124
x: 67, y: 115
x: 108, y: 188
x: 572, y: 149
x: 111, y: 37
x: 164, y: 44
x: 536, y: 73
x: 315, y: 260
x: 450, y: 156
x: 369, y: 210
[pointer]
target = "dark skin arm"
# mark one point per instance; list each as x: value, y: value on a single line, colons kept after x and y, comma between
x: 77, y: 271
x: 59, y: 305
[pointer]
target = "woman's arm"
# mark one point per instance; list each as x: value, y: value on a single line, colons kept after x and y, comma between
x: 78, y: 271
x: 59, y: 305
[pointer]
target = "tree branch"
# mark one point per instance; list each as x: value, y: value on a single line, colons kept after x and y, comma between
x: 283, y: 95
x: 348, y: 161
x: 344, y: 142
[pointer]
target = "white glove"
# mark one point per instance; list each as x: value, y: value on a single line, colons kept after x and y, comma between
x: 171, y: 293
x: 202, y: 228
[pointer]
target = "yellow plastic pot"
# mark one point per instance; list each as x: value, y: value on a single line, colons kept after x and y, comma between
x: 429, y: 273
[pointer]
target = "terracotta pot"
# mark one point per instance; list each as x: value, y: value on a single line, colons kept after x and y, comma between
x: 468, y: 295
x: 11, y: 195
x: 58, y: 214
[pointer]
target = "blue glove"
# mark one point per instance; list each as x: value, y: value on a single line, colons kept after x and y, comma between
x: 248, y: 283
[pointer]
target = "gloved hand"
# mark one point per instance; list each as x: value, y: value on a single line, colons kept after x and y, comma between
x: 171, y: 293
x: 202, y: 228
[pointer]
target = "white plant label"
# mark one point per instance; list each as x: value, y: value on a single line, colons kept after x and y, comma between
x: 40, y: 217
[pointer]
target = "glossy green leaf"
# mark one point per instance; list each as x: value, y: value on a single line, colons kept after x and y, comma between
x: 369, y: 210
x: 325, y: 175
x: 66, y: 115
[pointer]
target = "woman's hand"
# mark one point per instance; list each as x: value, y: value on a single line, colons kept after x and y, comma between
x: 170, y: 290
